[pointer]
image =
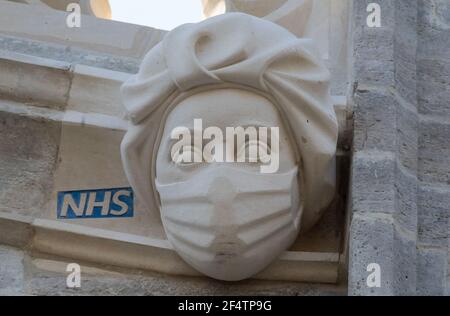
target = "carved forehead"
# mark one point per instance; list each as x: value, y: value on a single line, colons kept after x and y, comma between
x: 224, y: 108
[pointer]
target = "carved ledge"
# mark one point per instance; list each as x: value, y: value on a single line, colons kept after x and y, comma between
x: 101, y: 246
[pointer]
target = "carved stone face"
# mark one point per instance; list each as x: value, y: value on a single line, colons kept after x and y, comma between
x: 227, y: 219
x: 230, y: 220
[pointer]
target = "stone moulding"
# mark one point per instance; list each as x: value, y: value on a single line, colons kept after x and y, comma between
x: 42, y: 28
x: 99, y: 246
x: 83, y: 92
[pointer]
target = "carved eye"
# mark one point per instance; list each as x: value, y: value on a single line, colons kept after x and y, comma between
x: 187, y: 155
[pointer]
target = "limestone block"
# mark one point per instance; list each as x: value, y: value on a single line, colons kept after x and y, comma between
x: 433, y: 85
x: 433, y: 65
x: 373, y: 51
x: 97, y: 36
x: 15, y: 230
x: 407, y: 138
x: 371, y: 241
x: 406, y: 190
x: 375, y: 238
x: 404, y: 281
x: 405, y: 48
x: 12, y: 275
x: 28, y: 152
x: 34, y: 80
x: 374, y: 120
x: 433, y: 216
x: 98, y: 90
x: 432, y: 265
x: 373, y: 178
x: 47, y: 83
x: 385, y: 121
x: 434, y: 154
x: 68, y: 53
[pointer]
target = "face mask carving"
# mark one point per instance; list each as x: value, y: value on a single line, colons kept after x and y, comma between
x: 228, y: 220
x: 229, y: 223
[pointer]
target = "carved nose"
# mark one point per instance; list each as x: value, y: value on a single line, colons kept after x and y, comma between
x: 221, y: 192
x: 226, y: 246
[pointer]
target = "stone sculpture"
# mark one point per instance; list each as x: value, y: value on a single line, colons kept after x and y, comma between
x: 227, y: 219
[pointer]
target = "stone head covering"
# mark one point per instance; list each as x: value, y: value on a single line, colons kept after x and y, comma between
x: 246, y: 51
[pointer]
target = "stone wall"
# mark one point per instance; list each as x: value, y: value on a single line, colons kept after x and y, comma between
x: 433, y: 87
x: 400, y: 160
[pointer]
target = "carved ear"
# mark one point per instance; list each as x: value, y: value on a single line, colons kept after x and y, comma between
x: 285, y: 13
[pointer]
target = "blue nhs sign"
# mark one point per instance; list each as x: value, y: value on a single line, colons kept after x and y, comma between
x: 101, y: 203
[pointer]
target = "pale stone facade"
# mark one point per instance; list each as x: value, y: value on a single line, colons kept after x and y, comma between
x: 60, y: 103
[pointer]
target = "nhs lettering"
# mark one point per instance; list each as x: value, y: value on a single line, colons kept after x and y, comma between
x: 102, y: 203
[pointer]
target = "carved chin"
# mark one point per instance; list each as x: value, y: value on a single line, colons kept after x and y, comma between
x: 230, y: 259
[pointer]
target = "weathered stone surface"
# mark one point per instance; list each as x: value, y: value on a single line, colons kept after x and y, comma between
x: 12, y: 279
x: 28, y: 153
x: 406, y: 200
x: 384, y: 182
x: 405, y: 44
x: 434, y: 154
x: 376, y: 239
x: 371, y: 241
x: 374, y: 120
x: 433, y: 60
x: 69, y: 54
x: 433, y: 69
x: 433, y: 85
x: 405, y: 262
x: 407, y: 138
x: 432, y: 264
x: 32, y: 82
x: 15, y: 230
x: 384, y: 121
x: 373, y: 48
x: 373, y: 177
x: 434, y: 23
x: 97, y: 36
x: 95, y: 89
x: 433, y: 216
